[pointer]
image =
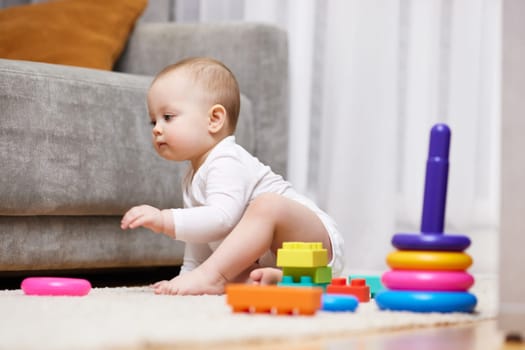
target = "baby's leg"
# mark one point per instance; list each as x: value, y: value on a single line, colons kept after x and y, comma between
x: 269, y: 220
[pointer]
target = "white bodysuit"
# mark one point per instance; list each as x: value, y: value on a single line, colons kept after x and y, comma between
x: 216, y: 196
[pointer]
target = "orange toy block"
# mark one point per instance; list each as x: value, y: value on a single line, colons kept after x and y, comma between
x: 273, y: 299
x: 357, y: 288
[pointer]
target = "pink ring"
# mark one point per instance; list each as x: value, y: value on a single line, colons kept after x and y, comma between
x: 427, y: 280
x: 55, y: 286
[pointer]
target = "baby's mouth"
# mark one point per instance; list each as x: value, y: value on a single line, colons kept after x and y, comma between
x: 161, y: 144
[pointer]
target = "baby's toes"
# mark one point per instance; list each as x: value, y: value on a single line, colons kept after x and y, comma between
x: 166, y: 288
x: 157, y: 284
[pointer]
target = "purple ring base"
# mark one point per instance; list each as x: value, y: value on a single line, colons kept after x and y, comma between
x: 431, y: 241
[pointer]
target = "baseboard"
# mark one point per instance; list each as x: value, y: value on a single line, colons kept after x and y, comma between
x: 114, y: 277
x: 511, y: 320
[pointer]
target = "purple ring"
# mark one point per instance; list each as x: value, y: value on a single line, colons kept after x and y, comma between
x: 430, y: 241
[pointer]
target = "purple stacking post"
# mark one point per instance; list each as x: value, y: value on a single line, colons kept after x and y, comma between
x: 432, y: 236
x: 435, y: 197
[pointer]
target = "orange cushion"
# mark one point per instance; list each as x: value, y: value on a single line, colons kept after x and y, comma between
x: 87, y: 33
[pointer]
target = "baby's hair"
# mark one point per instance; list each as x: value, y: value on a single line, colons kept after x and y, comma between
x: 218, y: 80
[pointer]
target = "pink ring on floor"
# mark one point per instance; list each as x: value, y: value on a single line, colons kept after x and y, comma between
x: 427, y: 280
x: 55, y: 286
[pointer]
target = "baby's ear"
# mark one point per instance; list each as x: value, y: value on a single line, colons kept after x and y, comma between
x: 217, y: 118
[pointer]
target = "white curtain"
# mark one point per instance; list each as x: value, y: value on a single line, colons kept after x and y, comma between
x: 369, y: 78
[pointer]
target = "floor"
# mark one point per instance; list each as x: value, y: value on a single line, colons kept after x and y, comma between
x: 479, y: 336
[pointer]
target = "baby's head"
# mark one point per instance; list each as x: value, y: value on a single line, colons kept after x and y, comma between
x: 214, y: 80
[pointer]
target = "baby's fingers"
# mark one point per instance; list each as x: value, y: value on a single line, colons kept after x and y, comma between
x: 131, y: 217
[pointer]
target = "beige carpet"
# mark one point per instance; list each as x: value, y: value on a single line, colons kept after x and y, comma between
x: 136, y: 318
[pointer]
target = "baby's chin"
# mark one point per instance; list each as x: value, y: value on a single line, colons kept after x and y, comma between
x: 164, y: 152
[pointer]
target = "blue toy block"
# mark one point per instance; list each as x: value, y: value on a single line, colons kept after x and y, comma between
x: 339, y: 302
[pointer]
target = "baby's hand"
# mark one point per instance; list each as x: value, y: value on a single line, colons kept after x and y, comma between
x: 143, y: 215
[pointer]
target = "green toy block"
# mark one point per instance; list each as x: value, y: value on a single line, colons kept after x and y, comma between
x: 322, y: 274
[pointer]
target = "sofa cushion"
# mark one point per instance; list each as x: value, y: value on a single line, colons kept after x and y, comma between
x: 88, y: 33
x: 77, y: 141
x: 81, y: 242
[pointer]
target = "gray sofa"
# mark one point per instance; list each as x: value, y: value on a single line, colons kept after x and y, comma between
x: 76, y: 153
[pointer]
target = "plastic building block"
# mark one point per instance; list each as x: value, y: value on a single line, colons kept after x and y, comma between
x: 357, y: 288
x: 273, y: 299
x: 425, y: 260
x: 304, y: 281
x: 426, y: 301
x: 339, y: 302
x: 302, y: 254
x: 322, y: 274
x: 372, y: 281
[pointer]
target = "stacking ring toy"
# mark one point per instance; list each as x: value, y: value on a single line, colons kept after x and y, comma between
x: 428, y: 273
x: 417, y: 301
x: 434, y: 200
x: 430, y: 241
x: 428, y: 280
x: 339, y: 302
x: 55, y: 286
x: 423, y: 260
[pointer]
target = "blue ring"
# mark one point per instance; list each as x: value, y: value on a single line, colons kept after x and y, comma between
x: 339, y: 302
x: 420, y: 301
x: 430, y: 241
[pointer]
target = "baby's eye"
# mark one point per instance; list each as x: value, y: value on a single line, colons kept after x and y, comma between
x: 153, y: 122
x: 167, y: 117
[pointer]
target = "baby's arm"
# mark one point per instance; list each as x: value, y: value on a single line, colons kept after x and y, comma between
x: 222, y: 189
x: 226, y: 185
x: 159, y: 221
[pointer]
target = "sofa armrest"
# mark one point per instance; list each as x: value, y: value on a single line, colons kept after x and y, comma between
x: 256, y: 53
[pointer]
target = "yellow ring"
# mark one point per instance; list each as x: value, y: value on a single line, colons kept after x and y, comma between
x: 423, y: 260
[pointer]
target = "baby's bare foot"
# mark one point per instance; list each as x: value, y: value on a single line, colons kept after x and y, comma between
x: 196, y: 282
x: 266, y: 276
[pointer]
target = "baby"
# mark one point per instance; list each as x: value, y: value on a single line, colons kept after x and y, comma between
x: 237, y: 212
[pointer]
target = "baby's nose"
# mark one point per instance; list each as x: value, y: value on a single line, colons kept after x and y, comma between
x: 157, y: 130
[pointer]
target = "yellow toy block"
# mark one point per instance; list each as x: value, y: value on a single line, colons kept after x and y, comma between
x: 302, y: 254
